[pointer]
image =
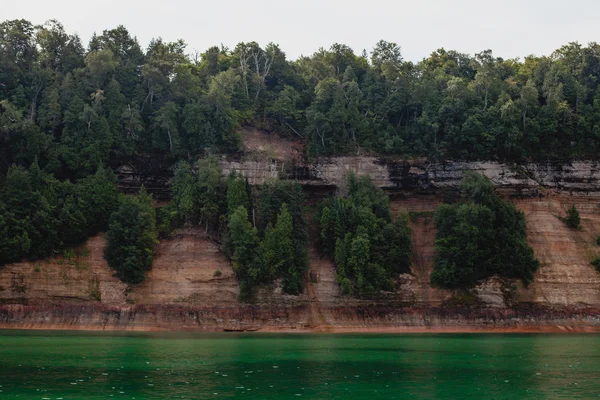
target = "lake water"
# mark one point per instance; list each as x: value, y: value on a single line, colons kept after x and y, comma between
x: 74, y: 365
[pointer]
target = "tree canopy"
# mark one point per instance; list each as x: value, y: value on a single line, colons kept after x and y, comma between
x: 76, y: 108
x: 131, y: 238
x: 263, y: 230
x: 370, y: 249
x: 480, y: 236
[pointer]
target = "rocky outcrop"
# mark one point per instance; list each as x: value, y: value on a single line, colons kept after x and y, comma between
x: 573, y: 177
x: 345, y: 318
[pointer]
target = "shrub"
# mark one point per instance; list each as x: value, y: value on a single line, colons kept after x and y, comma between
x: 346, y: 286
x: 596, y: 263
x: 573, y: 220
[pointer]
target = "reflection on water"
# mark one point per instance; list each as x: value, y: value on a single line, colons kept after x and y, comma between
x: 54, y: 365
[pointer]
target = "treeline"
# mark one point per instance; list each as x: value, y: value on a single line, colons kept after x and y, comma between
x: 76, y: 107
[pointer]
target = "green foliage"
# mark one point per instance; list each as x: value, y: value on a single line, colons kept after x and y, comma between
x: 99, y: 198
x: 279, y: 241
x: 479, y: 237
x: 238, y: 193
x: 356, y: 229
x: 40, y: 216
x: 275, y: 248
x: 596, y: 263
x: 131, y: 238
x: 77, y: 109
x: 199, y: 193
x: 277, y: 200
x: 165, y: 221
x: 573, y: 220
x: 68, y: 112
x: 247, y: 262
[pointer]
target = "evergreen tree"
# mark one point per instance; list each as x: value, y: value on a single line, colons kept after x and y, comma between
x: 131, y: 238
x: 246, y: 257
x: 357, y: 231
x: 480, y: 237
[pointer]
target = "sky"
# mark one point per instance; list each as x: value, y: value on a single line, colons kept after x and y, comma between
x: 511, y: 28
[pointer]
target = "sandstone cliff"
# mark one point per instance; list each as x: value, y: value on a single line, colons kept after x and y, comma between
x: 184, y: 279
x: 192, y: 286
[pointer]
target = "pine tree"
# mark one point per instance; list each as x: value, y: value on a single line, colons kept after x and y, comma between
x: 247, y: 260
x: 131, y: 238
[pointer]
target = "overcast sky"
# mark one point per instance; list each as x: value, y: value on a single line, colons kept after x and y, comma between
x: 511, y: 28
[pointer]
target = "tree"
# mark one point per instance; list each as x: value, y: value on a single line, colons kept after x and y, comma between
x: 356, y: 229
x: 165, y: 125
x: 238, y: 193
x: 479, y: 237
x: 387, y: 58
x: 182, y: 192
x: 573, y: 220
x: 199, y: 193
x: 246, y: 256
x: 131, y: 238
x: 210, y: 193
x: 99, y: 198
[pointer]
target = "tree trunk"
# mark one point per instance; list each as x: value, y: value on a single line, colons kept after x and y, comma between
x: 170, y: 140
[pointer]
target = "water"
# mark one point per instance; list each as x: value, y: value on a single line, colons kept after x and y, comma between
x: 63, y: 365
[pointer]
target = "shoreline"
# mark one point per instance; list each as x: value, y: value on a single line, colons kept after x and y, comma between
x: 297, y: 318
x: 531, y: 329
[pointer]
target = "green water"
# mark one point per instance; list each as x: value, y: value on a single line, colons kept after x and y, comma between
x: 55, y: 365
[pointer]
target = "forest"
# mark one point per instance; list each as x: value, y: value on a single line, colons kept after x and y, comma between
x: 71, y: 112
x: 76, y: 107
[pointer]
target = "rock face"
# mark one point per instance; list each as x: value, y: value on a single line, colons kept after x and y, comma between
x: 192, y: 285
x: 189, y: 269
x: 83, y: 278
x: 565, y: 275
x: 185, y: 291
x: 573, y: 177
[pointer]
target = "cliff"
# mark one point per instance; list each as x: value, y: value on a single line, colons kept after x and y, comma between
x: 183, y: 290
x: 192, y: 287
